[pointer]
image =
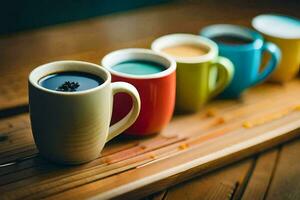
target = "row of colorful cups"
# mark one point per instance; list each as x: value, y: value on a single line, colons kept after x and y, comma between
x: 198, y: 78
x: 192, y: 73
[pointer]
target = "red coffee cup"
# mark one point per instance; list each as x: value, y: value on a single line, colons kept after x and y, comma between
x: 157, y: 91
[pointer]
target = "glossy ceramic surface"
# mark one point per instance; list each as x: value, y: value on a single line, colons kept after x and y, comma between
x: 247, y: 58
x: 73, y: 127
x: 157, y: 91
x: 198, y: 78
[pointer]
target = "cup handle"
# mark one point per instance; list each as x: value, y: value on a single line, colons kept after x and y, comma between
x: 130, y: 118
x: 272, y: 63
x: 225, y: 72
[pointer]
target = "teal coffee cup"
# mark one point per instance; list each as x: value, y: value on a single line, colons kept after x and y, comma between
x: 245, y: 48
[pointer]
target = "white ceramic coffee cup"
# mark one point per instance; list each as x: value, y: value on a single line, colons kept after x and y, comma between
x: 73, y: 127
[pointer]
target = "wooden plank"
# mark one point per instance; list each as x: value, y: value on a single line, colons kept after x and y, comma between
x: 209, y: 133
x: 262, y: 174
x: 223, y: 184
x: 220, y: 184
x: 71, y: 176
x: 189, y: 120
x: 222, y: 112
x: 286, y: 182
x: 176, y: 168
x: 157, y: 196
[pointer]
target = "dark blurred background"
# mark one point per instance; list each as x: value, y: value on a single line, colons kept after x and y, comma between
x: 26, y: 14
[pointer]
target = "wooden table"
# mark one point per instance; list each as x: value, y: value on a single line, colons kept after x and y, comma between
x: 273, y: 174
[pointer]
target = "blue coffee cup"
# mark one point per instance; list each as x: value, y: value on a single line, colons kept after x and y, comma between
x: 244, y: 47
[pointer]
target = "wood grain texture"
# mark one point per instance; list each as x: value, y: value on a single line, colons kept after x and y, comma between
x: 157, y: 196
x: 134, y: 168
x: 285, y: 183
x: 226, y: 182
x: 219, y: 125
x: 221, y: 184
x: 261, y: 177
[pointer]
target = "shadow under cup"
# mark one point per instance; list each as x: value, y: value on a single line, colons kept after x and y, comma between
x: 157, y: 90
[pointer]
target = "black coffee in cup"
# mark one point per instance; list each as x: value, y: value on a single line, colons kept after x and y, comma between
x: 70, y: 81
x: 231, y: 39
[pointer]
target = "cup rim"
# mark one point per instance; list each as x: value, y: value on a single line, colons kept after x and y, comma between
x: 122, y: 55
x: 72, y: 65
x: 221, y: 29
x: 183, y: 38
x: 258, y: 20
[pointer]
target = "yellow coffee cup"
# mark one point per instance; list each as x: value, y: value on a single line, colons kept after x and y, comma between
x: 284, y: 31
x: 201, y: 74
